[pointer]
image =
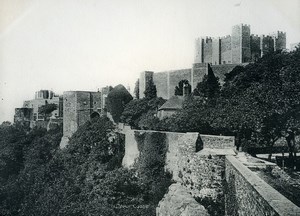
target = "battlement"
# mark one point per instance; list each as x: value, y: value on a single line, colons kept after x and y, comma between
x: 239, y: 47
x: 245, y: 25
x: 254, y: 36
x: 225, y: 37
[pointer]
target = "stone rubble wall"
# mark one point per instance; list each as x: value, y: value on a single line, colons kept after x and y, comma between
x: 247, y: 194
x: 200, y: 175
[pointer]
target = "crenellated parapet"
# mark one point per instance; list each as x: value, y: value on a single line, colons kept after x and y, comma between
x: 239, y: 47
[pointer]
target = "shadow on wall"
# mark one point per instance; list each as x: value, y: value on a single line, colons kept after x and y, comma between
x: 230, y: 196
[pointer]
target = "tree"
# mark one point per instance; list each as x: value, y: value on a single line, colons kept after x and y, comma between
x: 137, y: 89
x: 181, y: 84
x: 47, y: 109
x: 117, y: 98
x: 150, y: 91
x: 209, y: 87
x: 137, y: 110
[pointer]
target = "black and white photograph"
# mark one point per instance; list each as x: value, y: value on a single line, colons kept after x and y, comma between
x: 149, y: 107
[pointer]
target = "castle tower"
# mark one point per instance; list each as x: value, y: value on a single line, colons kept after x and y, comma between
x: 207, y: 50
x: 145, y: 77
x: 226, y: 54
x: 216, y: 51
x: 255, y: 47
x: 198, y: 50
x: 279, y: 38
x: 266, y: 44
x: 240, y: 44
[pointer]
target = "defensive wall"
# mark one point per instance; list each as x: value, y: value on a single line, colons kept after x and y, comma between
x: 79, y: 107
x: 237, y: 48
x: 205, y: 169
x: 167, y: 81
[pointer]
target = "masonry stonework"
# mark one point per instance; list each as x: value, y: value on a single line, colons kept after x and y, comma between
x: 79, y: 107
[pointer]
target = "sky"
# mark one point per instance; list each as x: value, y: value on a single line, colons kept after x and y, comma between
x: 64, y: 45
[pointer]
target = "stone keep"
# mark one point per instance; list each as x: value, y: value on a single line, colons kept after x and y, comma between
x: 79, y: 107
x: 221, y: 54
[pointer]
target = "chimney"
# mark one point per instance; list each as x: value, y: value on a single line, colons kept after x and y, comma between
x: 186, y: 89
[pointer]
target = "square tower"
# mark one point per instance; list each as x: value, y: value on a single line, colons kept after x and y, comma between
x: 240, y: 44
x: 279, y: 38
x: 199, y: 50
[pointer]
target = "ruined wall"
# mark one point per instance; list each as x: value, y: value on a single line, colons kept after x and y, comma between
x: 35, y: 104
x: 96, y: 102
x: 23, y: 116
x: 161, y: 81
x: 226, y: 55
x: 247, y: 194
x: 175, y: 77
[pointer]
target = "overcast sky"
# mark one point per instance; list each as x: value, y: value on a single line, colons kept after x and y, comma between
x: 87, y: 44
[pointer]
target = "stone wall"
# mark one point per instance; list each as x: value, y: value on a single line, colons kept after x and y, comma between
x: 78, y: 107
x: 201, y: 174
x: 216, y: 51
x: 217, y: 142
x: 23, y: 116
x: 255, y: 47
x: 245, y: 37
x: 226, y: 56
x: 198, y: 72
x: 161, y: 81
x: 145, y: 76
x: 207, y: 50
x: 167, y: 81
x: 247, y: 194
x: 176, y: 76
x: 198, y: 50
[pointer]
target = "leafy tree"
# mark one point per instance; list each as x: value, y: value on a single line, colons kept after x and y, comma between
x: 137, y: 110
x: 150, y: 91
x: 179, y: 88
x: 209, y: 87
x: 47, y: 109
x: 117, y: 98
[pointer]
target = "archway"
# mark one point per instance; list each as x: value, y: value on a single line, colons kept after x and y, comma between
x: 95, y: 115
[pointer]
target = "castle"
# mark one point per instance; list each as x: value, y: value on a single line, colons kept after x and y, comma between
x: 221, y: 54
x: 29, y: 114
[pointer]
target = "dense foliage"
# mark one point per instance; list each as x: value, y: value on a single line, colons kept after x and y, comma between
x: 150, y: 91
x: 209, y: 87
x: 86, y: 178
x: 47, y: 109
x: 258, y: 103
x: 140, y: 113
x: 117, y: 98
x: 180, y: 86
